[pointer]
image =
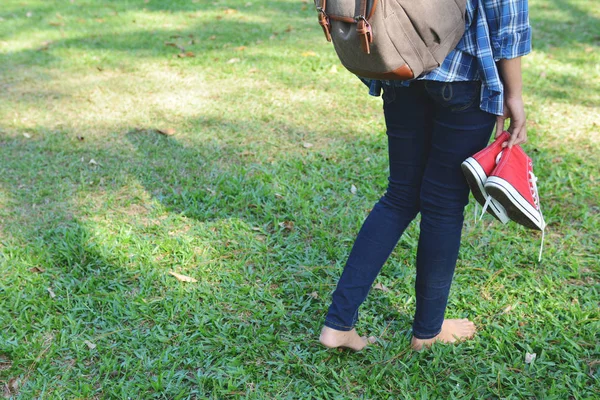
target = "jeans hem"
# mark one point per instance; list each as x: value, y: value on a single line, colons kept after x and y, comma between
x: 338, y: 327
x: 426, y: 336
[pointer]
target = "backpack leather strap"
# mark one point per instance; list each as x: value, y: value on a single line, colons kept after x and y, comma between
x: 324, y: 20
x: 363, y: 28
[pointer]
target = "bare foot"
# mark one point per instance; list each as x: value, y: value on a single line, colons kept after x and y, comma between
x: 452, y: 330
x: 332, y: 339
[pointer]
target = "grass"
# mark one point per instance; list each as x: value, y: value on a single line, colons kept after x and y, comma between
x: 96, y: 208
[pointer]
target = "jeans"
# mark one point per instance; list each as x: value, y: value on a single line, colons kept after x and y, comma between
x: 432, y: 127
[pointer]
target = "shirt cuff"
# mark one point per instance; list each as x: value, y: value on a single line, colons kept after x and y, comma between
x: 513, y: 45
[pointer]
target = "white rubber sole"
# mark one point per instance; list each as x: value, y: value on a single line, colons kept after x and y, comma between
x: 476, y: 178
x: 518, y: 209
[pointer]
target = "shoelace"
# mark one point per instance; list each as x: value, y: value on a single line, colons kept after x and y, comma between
x: 488, y: 200
x: 534, y: 194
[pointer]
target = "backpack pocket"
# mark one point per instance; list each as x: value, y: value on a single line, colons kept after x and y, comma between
x: 433, y: 20
x: 409, y: 44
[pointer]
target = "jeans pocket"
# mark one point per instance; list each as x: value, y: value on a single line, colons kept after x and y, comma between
x: 457, y: 96
x: 389, y: 94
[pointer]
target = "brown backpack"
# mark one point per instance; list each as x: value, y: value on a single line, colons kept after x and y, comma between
x: 392, y: 39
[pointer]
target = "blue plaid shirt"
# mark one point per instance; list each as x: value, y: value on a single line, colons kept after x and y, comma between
x: 495, y: 30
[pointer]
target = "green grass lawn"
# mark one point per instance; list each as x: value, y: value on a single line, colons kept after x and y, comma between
x: 251, y: 196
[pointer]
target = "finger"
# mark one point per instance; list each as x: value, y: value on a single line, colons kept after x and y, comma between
x: 518, y: 136
x: 511, y: 138
x: 500, y: 125
x: 523, y: 134
x: 514, y: 135
x: 522, y: 138
x: 521, y: 131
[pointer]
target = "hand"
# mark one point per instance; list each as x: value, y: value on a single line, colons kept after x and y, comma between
x: 514, y: 110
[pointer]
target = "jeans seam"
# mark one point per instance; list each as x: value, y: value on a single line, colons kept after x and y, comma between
x: 338, y: 325
x: 425, y: 337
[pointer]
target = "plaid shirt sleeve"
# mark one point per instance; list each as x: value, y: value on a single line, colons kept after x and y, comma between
x: 510, y: 32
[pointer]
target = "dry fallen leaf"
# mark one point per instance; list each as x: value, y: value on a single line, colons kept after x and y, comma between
x: 37, y: 270
x: 314, y: 295
x: 507, y: 309
x: 213, y: 37
x: 307, y: 145
x: 233, y: 60
x: 529, y: 357
x: 5, y: 363
x: 45, y: 46
x: 288, y: 225
x: 166, y: 132
x: 183, y: 278
x: 379, y: 286
x: 51, y: 293
x: 353, y: 189
x: 309, y: 54
x: 89, y: 344
x: 230, y: 11
x: 173, y: 44
x: 240, y: 48
x: 278, y: 195
x: 13, y: 386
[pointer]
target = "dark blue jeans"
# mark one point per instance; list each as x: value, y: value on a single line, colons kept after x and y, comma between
x: 431, y: 127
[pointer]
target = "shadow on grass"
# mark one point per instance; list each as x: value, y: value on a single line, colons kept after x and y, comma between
x: 582, y: 24
x: 214, y: 41
x: 561, y: 86
x: 209, y: 182
x: 113, y: 291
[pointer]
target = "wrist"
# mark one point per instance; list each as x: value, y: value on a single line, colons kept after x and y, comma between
x: 514, y: 95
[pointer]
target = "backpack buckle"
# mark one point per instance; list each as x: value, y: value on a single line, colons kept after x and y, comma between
x: 325, y: 23
x: 365, y: 33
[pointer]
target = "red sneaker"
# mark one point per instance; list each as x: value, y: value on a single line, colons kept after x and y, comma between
x: 513, y: 185
x: 477, y: 169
